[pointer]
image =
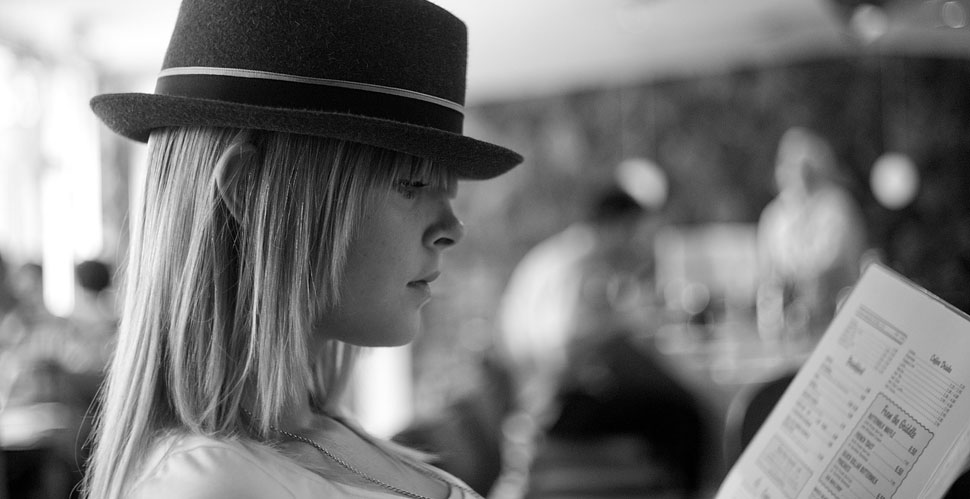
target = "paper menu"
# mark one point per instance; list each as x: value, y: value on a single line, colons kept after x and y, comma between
x: 879, y: 409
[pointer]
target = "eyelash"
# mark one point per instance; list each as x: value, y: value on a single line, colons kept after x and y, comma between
x: 409, y: 188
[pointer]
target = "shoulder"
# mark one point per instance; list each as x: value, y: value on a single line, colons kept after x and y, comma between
x: 200, y: 467
x: 560, y: 251
x: 775, y: 209
x: 197, y: 467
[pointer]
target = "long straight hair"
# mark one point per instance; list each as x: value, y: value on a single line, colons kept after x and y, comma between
x: 220, y: 301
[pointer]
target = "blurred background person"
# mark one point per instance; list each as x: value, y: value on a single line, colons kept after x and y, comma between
x: 94, y: 317
x: 50, y: 371
x: 569, y: 318
x: 811, y: 239
x: 94, y: 328
x: 564, y: 288
x: 28, y: 321
x: 40, y: 412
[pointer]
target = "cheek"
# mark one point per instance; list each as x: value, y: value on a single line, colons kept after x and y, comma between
x: 373, y: 259
x: 376, y: 306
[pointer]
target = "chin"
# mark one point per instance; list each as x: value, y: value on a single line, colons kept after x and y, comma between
x: 406, y: 333
x: 394, y: 335
x: 388, y: 331
x: 397, y: 339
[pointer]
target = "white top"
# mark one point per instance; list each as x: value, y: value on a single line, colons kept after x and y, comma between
x: 197, y: 467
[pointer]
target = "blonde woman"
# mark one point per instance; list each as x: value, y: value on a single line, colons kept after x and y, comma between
x: 303, y: 157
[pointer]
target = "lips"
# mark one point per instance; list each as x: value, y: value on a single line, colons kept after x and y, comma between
x: 423, y: 285
x: 427, y: 279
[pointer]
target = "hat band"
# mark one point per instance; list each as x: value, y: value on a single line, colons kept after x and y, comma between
x: 276, y: 90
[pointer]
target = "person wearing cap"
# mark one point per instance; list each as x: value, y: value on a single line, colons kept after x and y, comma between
x: 302, y: 161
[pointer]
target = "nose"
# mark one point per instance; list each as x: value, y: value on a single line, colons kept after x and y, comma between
x: 446, y: 231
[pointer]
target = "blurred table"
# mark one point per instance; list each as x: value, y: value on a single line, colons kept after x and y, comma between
x: 730, y: 354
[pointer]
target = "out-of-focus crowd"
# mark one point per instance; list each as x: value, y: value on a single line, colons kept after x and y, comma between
x: 50, y: 369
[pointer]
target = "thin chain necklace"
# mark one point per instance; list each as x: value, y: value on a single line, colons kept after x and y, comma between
x: 380, y: 483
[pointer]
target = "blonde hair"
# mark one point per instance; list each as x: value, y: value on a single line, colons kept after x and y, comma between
x: 218, y: 311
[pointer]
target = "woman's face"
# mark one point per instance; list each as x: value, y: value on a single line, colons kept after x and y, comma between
x: 391, y: 264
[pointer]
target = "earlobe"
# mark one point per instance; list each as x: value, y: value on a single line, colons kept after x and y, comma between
x: 230, y: 170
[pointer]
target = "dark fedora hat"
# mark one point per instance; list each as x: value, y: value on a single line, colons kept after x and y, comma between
x: 389, y: 73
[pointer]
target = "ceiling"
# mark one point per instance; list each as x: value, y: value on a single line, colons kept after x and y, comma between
x: 533, y: 47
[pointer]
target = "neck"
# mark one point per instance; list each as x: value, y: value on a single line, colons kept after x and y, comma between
x: 298, y: 414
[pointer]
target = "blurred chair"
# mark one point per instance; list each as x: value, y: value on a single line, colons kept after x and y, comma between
x: 960, y: 488
x: 748, y: 410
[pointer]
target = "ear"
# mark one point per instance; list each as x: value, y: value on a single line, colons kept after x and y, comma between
x: 233, y: 166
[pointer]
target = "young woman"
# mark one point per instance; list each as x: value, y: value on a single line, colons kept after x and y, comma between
x: 303, y: 156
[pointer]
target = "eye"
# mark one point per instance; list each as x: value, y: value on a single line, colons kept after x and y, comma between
x: 409, y: 188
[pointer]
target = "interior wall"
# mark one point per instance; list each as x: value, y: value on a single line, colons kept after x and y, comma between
x: 716, y: 138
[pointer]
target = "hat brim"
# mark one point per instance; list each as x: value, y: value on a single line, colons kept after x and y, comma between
x: 134, y: 115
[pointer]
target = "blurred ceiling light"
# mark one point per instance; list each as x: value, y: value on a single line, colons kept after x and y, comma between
x: 953, y: 15
x: 643, y: 180
x: 695, y: 298
x: 633, y: 16
x: 934, y: 28
x: 869, y: 22
x: 894, y: 180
